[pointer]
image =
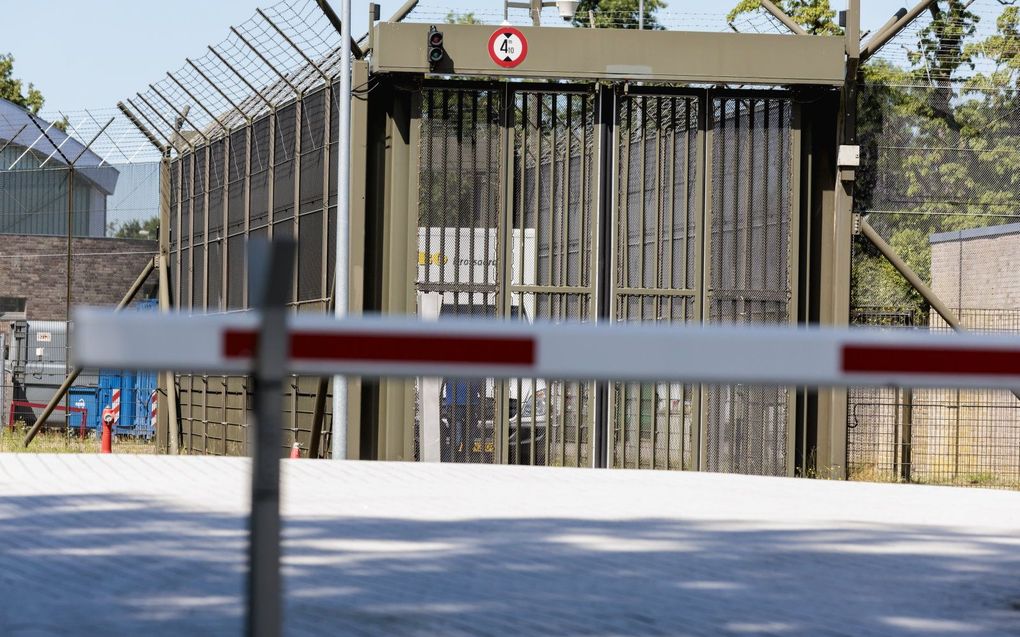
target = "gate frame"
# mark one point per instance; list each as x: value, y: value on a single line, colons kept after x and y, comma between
x: 386, y: 167
x: 822, y: 194
x: 399, y: 161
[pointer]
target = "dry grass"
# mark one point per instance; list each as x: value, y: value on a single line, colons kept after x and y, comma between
x: 872, y: 473
x: 60, y: 442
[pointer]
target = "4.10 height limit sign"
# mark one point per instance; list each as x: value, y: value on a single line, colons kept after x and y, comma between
x: 508, y: 47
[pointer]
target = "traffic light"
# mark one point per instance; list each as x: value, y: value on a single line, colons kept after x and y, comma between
x: 436, y: 52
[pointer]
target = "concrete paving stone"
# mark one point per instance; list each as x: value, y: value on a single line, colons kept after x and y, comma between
x: 153, y: 545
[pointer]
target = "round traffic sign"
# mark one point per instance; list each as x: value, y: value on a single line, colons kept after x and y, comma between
x: 508, y: 47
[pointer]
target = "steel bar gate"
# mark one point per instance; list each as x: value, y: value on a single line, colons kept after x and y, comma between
x: 576, y: 202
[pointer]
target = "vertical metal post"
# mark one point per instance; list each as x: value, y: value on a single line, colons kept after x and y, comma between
x: 908, y: 426
x: 271, y: 265
x: 169, y: 377
x: 603, y: 257
x: 67, y: 298
x: 343, y: 204
x: 641, y: 14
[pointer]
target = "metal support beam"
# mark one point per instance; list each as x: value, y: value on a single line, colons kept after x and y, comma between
x: 13, y: 137
x: 782, y: 17
x: 915, y: 281
x: 173, y: 129
x: 335, y: 21
x: 182, y: 114
x: 623, y: 55
x: 902, y: 11
x: 254, y: 91
x: 28, y: 149
x: 71, y: 377
x: 169, y: 142
x: 283, y: 78
x: 881, y: 38
x: 208, y: 112
x: 852, y: 34
x: 216, y: 88
x: 287, y: 39
x: 165, y: 304
x: 142, y: 128
x: 91, y: 141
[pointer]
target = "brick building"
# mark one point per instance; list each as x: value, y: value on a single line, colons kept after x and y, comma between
x: 978, y: 269
x: 972, y: 435
x: 33, y: 287
x: 33, y: 273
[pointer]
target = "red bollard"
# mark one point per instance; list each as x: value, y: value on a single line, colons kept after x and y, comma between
x: 295, y: 451
x: 107, y: 443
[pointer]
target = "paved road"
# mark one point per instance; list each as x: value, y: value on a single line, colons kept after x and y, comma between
x: 137, y: 545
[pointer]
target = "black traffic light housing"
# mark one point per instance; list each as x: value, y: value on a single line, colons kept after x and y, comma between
x: 435, y: 50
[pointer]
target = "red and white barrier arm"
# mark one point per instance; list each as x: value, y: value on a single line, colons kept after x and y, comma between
x: 406, y: 347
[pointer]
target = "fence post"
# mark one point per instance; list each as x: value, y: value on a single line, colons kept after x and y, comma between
x: 908, y: 424
x: 271, y: 267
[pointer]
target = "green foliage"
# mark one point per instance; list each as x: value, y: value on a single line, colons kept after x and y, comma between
x: 816, y: 16
x: 618, y: 14
x: 462, y: 18
x: 940, y: 139
x: 12, y: 89
x: 134, y: 229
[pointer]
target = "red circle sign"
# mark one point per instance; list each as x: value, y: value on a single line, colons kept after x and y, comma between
x: 508, y: 47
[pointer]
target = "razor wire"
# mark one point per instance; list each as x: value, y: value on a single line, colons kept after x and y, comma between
x: 281, y: 53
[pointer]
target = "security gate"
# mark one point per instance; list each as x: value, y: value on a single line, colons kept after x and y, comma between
x: 573, y: 202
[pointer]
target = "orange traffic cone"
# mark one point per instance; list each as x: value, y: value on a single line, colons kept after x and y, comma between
x: 295, y: 451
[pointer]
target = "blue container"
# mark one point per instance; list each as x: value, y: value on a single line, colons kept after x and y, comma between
x: 145, y: 393
x: 87, y: 397
x: 136, y: 389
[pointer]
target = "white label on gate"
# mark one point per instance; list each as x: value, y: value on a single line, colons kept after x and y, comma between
x: 508, y: 47
x: 44, y: 337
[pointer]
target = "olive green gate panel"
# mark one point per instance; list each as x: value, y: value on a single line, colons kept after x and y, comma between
x: 750, y: 272
x: 551, y: 252
x: 459, y: 261
x: 657, y: 268
x: 505, y: 230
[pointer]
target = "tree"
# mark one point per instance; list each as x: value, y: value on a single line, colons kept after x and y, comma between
x: 135, y: 229
x: 462, y: 18
x: 618, y: 14
x: 12, y: 89
x: 816, y: 16
x: 938, y: 139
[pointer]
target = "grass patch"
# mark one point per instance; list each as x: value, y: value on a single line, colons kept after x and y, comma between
x: 53, y: 441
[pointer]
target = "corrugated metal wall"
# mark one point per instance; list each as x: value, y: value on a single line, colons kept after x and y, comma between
x: 274, y: 178
x: 33, y: 199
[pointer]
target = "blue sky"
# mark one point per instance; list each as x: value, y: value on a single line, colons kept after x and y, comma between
x: 92, y: 53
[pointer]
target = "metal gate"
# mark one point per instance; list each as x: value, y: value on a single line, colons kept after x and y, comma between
x: 511, y: 222
x: 751, y: 275
x: 505, y: 229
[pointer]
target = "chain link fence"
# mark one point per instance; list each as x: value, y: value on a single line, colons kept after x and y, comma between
x: 78, y: 224
x: 939, y: 122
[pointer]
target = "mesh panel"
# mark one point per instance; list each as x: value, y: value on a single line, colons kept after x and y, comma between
x: 749, y: 273
x: 935, y: 436
x: 467, y: 251
x: 656, y: 274
x: 551, y: 279
x: 936, y: 184
x: 458, y: 262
